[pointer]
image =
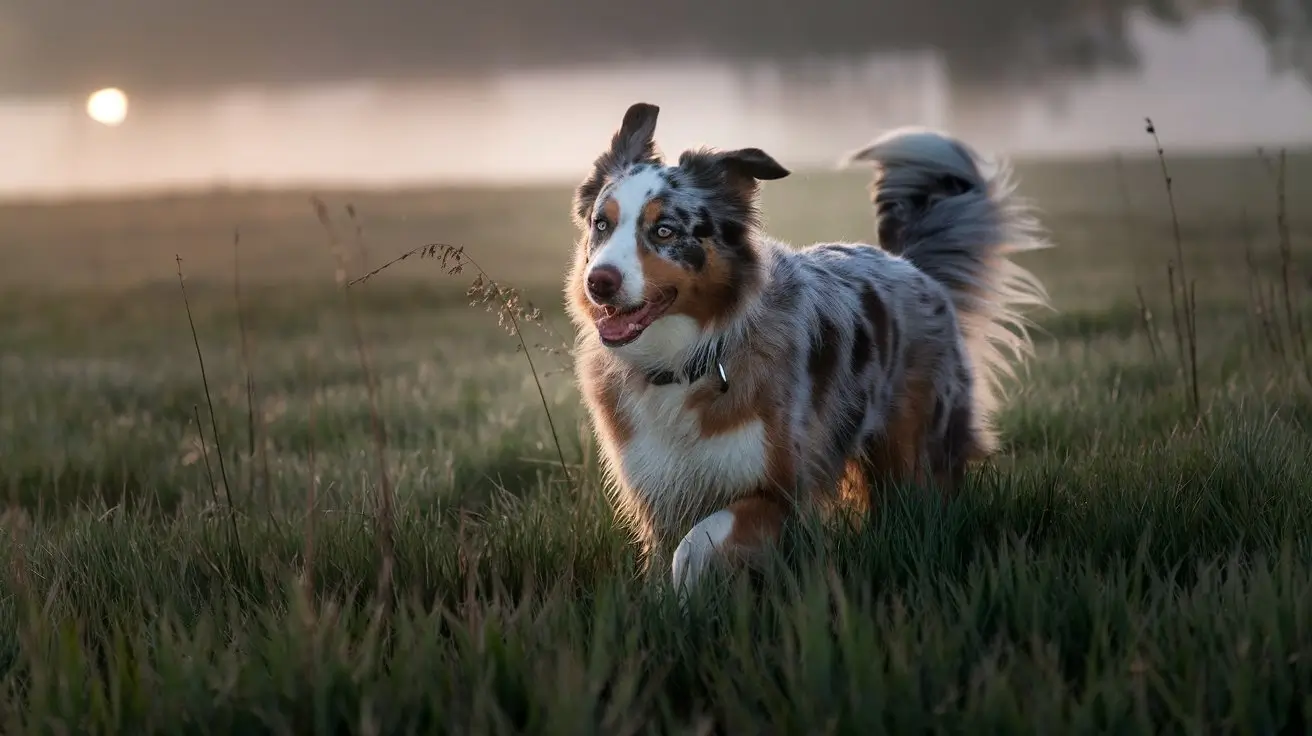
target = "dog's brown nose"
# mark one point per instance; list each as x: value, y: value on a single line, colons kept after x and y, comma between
x: 604, y: 283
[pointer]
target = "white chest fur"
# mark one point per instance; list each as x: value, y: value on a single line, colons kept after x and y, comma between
x: 679, y: 475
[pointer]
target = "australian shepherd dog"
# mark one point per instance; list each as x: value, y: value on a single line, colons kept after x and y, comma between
x: 734, y: 381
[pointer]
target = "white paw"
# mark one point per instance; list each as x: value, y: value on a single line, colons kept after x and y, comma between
x: 698, y: 549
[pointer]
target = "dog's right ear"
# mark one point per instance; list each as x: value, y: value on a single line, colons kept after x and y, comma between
x: 633, y: 143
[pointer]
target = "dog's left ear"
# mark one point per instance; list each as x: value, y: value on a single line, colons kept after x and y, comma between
x: 745, y: 168
x: 753, y: 163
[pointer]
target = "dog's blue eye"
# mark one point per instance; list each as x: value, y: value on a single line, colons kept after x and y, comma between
x: 664, y: 232
x: 600, y: 225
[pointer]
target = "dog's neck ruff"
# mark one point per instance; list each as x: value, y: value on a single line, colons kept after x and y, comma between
x: 704, y: 361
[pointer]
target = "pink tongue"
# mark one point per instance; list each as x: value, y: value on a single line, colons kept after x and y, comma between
x: 618, y: 328
x: 622, y: 327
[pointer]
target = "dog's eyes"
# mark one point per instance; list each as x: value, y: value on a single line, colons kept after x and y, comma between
x: 664, y: 232
x: 600, y: 225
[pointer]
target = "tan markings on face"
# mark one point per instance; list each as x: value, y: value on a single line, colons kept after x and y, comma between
x: 651, y: 214
x: 611, y: 211
x: 704, y: 295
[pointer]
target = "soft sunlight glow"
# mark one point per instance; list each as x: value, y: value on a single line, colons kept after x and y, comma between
x: 108, y: 106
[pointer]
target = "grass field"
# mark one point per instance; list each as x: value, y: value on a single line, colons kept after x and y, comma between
x: 1122, y: 568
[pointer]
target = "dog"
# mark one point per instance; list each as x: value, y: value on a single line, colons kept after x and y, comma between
x: 734, y: 382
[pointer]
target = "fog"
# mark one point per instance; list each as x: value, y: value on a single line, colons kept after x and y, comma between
x: 1207, y: 85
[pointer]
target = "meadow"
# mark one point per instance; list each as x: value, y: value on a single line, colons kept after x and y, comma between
x: 359, y: 513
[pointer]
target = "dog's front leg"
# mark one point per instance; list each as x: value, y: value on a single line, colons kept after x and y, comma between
x: 738, y: 534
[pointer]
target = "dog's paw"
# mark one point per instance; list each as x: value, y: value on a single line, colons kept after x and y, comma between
x: 699, y: 549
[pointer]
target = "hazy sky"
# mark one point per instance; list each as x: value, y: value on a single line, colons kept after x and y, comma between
x: 75, y: 45
x: 1209, y: 84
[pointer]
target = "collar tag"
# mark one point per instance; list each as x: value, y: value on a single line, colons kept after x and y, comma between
x: 693, y: 372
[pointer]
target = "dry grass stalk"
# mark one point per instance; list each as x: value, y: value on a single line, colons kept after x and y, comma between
x: 256, y: 450
x: 1289, y: 340
x: 1292, y: 317
x: 358, y: 225
x: 311, y: 501
x: 507, y: 303
x: 495, y: 296
x: 205, y: 455
x: 386, y: 540
x: 214, y: 425
x: 1149, y: 327
x: 1267, y: 330
x: 1184, y: 316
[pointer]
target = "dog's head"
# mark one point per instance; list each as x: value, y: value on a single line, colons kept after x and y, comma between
x: 667, y: 253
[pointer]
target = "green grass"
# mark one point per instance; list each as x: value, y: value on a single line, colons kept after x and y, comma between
x: 1119, y: 568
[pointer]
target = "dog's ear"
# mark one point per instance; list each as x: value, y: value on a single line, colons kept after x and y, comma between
x: 753, y: 163
x: 633, y: 143
x: 745, y: 167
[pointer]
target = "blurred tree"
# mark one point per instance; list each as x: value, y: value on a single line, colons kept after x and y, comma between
x: 72, y: 44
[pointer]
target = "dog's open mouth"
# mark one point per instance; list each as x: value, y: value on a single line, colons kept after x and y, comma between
x: 622, y: 326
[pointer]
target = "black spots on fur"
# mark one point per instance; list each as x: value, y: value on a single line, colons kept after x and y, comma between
x: 693, y: 254
x: 681, y: 214
x: 706, y: 170
x: 743, y: 275
x: 880, y: 322
x: 860, y: 347
x: 734, y: 234
x: 705, y: 226
x: 822, y: 362
x: 941, y: 308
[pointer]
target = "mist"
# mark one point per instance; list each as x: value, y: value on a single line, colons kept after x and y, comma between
x: 1207, y: 84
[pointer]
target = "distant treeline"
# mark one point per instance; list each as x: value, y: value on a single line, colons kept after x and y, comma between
x: 69, y: 45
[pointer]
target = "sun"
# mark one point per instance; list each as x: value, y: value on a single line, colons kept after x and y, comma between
x: 108, y: 106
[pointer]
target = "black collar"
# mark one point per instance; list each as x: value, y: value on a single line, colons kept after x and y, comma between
x: 702, y: 362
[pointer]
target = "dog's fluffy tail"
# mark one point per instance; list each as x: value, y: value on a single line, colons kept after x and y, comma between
x: 936, y: 206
